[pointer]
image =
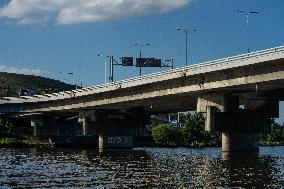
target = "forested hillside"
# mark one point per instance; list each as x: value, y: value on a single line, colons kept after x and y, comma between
x: 11, y: 84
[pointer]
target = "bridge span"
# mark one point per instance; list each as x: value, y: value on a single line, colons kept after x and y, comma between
x: 239, y: 95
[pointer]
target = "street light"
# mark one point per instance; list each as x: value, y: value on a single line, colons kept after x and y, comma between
x: 247, y: 13
x: 186, y: 42
x: 140, y: 53
x: 105, y: 72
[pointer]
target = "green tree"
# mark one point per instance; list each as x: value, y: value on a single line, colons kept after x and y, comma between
x: 166, y: 135
x: 189, y: 132
x: 11, y: 91
x: 275, y: 137
x: 6, y: 128
x: 193, y: 131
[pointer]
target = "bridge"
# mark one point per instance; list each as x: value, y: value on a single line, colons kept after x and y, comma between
x: 239, y: 95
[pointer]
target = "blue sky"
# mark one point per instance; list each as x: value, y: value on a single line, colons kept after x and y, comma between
x: 55, y: 37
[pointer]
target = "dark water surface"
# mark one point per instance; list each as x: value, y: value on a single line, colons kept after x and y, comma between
x: 141, y: 168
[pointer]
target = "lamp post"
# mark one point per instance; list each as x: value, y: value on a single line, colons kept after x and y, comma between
x: 186, y: 42
x: 105, y: 67
x: 72, y: 74
x: 140, y: 53
x: 247, y: 13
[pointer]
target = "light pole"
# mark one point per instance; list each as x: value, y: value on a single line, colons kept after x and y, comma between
x: 105, y: 68
x: 247, y: 13
x: 80, y: 74
x: 186, y: 42
x: 140, y: 54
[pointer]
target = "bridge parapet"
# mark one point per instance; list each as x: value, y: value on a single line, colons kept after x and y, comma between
x: 264, y: 56
x: 210, y: 66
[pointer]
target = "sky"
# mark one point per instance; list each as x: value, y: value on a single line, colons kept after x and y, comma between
x: 52, y: 38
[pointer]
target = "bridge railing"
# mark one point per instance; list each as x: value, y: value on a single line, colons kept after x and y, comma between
x: 194, y: 66
x: 185, y: 69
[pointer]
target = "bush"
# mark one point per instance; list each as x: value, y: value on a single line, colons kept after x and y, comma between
x: 275, y: 137
x: 6, y: 128
x: 166, y: 135
x: 192, y: 129
x: 8, y: 141
x: 191, y: 133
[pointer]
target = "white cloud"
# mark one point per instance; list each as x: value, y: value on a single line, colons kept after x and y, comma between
x: 78, y: 11
x: 20, y: 71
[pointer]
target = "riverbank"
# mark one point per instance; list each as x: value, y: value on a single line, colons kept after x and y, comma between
x: 27, y: 142
x: 271, y: 143
x: 33, y: 142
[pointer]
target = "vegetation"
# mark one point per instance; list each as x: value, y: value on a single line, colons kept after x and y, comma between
x: 166, y: 135
x: 5, y: 141
x: 9, y: 138
x: 190, y: 133
x: 6, y: 128
x: 276, y: 136
x: 12, y: 83
x: 17, y: 141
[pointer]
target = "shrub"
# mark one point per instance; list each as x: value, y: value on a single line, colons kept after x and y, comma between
x: 191, y: 132
x: 166, y: 135
x: 8, y: 141
x: 6, y: 128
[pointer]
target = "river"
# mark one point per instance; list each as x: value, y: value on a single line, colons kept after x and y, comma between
x: 141, y: 168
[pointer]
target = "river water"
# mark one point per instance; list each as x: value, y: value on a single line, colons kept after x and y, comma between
x: 141, y: 168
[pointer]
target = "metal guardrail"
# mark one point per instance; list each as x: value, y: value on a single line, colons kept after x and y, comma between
x: 194, y: 66
x: 163, y: 73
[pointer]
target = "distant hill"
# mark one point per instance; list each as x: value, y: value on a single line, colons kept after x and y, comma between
x: 11, y: 84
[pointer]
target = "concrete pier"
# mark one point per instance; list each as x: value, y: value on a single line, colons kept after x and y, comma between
x: 37, y: 124
x: 115, y: 142
x: 115, y: 129
x: 241, y: 128
x: 240, y: 142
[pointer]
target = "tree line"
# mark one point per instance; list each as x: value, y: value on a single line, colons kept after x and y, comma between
x: 189, y: 132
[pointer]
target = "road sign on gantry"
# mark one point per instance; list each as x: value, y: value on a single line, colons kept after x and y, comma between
x: 148, y: 62
x: 127, y: 61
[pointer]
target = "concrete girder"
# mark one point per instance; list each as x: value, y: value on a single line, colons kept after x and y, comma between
x: 233, y: 74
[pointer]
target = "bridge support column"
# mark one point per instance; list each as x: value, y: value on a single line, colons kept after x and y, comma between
x: 217, y: 100
x: 118, y: 130
x: 87, y: 119
x: 241, y: 128
x: 37, y: 124
x: 112, y: 142
x: 240, y: 142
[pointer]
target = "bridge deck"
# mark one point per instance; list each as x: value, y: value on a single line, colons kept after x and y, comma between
x: 201, y: 68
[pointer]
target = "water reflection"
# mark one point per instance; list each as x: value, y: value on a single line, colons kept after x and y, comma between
x: 248, y: 170
x: 141, y: 168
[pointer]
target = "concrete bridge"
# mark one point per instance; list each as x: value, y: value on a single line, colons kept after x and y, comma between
x: 238, y: 94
